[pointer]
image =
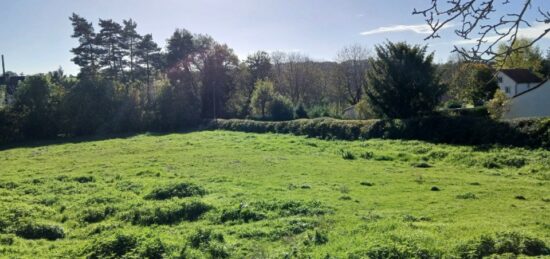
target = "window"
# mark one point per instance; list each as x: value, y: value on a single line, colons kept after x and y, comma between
x: 500, y: 79
x: 507, y: 89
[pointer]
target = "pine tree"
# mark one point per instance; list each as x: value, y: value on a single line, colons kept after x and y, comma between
x: 146, y: 57
x: 129, y: 42
x: 87, y: 52
x: 109, y: 38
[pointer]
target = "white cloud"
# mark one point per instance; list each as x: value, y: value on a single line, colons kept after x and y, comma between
x: 416, y: 28
x: 526, y: 32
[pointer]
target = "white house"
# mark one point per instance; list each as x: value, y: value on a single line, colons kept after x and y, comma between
x: 529, y: 95
x: 516, y: 81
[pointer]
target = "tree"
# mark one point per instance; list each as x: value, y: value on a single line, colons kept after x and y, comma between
x: 33, y: 104
x: 402, y: 81
x: 280, y: 108
x: 87, y: 52
x: 262, y: 97
x: 179, y: 47
x: 147, y: 55
x: 488, y: 22
x: 352, y: 71
x: 109, y: 38
x: 218, y: 80
x: 473, y: 83
x: 528, y: 58
x: 129, y: 44
x: 259, y: 68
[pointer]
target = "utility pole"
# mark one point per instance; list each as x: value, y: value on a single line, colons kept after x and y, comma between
x: 3, y: 68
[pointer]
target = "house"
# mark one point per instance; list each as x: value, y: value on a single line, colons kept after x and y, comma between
x: 516, y: 81
x: 529, y: 95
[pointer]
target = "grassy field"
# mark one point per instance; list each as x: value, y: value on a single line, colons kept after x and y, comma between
x: 227, y: 194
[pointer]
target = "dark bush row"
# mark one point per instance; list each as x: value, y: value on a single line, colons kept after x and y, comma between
x: 439, y: 129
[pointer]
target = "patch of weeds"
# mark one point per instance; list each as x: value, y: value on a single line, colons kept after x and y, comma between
x: 7, y: 240
x: 32, y: 230
x: 367, y: 155
x: 467, y: 196
x: 344, y: 189
x: 179, y: 190
x: 9, y: 185
x: 293, y: 208
x: 398, y: 251
x: 128, y: 186
x: 383, y: 158
x: 475, y: 184
x: 208, y: 241
x: 166, y: 213
x: 438, y: 155
x: 148, y: 173
x: 346, y: 154
x: 411, y: 218
x: 84, y: 179
x: 421, y: 165
x: 502, y: 243
x: 96, y: 214
x: 112, y: 246
x: 305, y: 186
x: 435, y: 189
x: 316, y: 238
x: 241, y: 214
x: 345, y: 198
x: 520, y: 197
x: 365, y: 183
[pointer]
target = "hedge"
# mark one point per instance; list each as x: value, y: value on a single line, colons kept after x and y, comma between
x: 462, y: 130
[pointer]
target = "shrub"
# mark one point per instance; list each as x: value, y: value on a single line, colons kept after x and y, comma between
x: 439, y: 129
x: 32, y: 230
x: 167, y: 213
x: 367, y: 183
x: 241, y: 214
x: 281, y: 109
x: 503, y: 243
x: 300, y: 112
x: 180, y: 190
x: 114, y: 246
x: 152, y: 249
x: 347, y: 155
x: 317, y: 238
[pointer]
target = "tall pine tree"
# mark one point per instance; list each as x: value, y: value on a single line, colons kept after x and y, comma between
x: 87, y: 52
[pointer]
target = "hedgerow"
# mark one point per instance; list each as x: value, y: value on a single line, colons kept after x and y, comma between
x: 439, y: 129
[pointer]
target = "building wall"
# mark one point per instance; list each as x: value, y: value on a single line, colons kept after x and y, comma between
x: 533, y: 104
x: 506, y: 84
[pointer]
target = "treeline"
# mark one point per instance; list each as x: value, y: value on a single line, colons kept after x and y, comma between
x: 127, y: 83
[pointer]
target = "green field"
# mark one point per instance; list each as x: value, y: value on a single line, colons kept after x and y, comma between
x: 240, y: 195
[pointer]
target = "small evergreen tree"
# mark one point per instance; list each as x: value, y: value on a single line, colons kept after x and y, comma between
x: 402, y: 81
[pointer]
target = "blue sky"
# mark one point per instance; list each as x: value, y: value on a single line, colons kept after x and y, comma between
x: 36, y: 33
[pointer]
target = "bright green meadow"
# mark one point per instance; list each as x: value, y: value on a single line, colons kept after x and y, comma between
x: 216, y: 194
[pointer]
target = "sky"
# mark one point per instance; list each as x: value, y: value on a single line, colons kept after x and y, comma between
x: 35, y: 34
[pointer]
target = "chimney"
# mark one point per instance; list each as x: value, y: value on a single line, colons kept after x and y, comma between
x: 3, y: 67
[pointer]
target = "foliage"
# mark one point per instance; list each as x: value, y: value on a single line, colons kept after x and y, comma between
x: 180, y: 190
x: 402, y: 81
x: 499, y: 105
x: 262, y: 97
x: 473, y: 83
x: 528, y: 58
x: 281, y: 108
x: 454, y: 130
x: 300, y: 112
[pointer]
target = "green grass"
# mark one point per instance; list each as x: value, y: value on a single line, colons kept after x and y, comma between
x: 229, y: 194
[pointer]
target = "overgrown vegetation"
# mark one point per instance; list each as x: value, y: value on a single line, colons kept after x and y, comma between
x: 191, y: 196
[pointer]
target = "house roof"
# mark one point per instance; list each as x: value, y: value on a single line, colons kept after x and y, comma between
x: 537, y: 86
x: 521, y: 75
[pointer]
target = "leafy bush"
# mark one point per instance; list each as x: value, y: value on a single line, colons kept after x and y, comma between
x: 84, y: 179
x: 439, y: 129
x: 281, y: 109
x: 300, y: 112
x: 166, y: 213
x: 347, y: 155
x: 202, y: 237
x: 113, y: 246
x: 31, y: 230
x: 180, y: 190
